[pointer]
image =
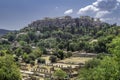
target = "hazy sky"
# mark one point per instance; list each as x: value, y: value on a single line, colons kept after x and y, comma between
x: 16, y: 14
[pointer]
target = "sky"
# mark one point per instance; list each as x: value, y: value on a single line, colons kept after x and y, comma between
x: 16, y: 14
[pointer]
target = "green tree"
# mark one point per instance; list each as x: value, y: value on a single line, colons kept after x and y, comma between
x: 27, y: 49
x: 107, y: 67
x: 92, y: 63
x: 18, y: 51
x: 114, y: 47
x: 40, y: 60
x: 60, y: 74
x: 23, y: 43
x: 23, y: 37
x: 60, y: 54
x: 37, y: 52
x: 8, y: 69
x: 31, y: 35
x: 53, y: 59
x: 11, y: 36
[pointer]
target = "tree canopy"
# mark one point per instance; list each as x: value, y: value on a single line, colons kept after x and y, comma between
x: 8, y: 69
x: 106, y: 68
x: 60, y: 74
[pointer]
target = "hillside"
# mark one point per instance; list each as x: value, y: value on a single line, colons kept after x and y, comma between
x: 63, y: 44
x: 66, y: 33
x: 3, y: 31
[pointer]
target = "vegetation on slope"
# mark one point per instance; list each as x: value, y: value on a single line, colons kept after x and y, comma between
x: 58, y: 36
x: 104, y: 67
x: 8, y: 69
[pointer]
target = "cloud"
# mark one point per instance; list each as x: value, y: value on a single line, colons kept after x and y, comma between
x: 118, y: 0
x: 88, y: 9
x: 100, y: 14
x: 107, y: 10
x: 106, y: 4
x: 70, y: 11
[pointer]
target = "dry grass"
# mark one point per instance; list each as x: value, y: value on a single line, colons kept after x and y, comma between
x: 41, y: 78
x: 76, y: 60
x: 46, y: 58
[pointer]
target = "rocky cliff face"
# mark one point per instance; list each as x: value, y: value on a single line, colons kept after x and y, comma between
x: 66, y: 21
